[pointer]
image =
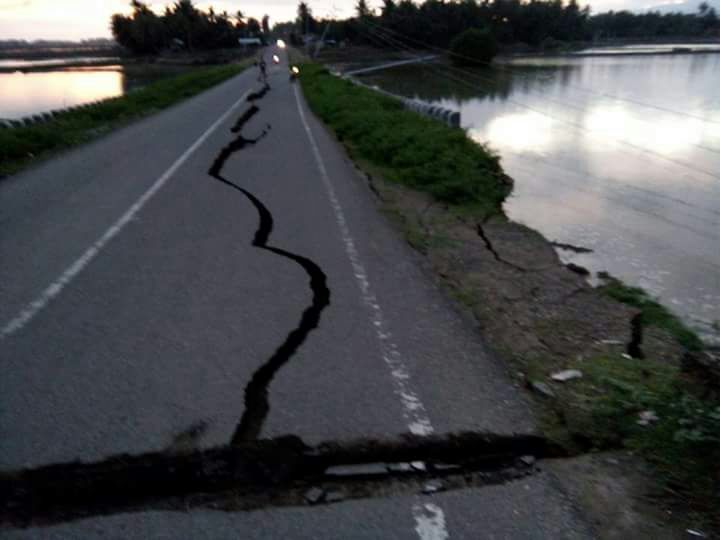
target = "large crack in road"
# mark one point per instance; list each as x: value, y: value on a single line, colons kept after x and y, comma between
x: 263, y: 473
x: 257, y: 404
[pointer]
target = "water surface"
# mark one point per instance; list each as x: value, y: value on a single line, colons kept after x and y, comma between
x: 20, y: 63
x: 653, y: 48
x: 27, y: 93
x: 24, y: 94
x: 619, y: 154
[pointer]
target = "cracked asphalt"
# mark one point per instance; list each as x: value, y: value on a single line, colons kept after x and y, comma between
x: 172, y: 318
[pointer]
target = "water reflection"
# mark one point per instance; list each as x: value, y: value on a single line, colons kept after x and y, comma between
x: 18, y: 63
x: 24, y: 94
x: 667, y: 135
x: 619, y: 154
x: 528, y: 131
x: 442, y: 83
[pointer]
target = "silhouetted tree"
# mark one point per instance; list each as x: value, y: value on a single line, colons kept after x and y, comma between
x: 474, y: 47
x: 266, y: 25
x: 541, y: 23
x: 253, y: 27
x: 304, y: 20
x: 362, y: 9
x: 143, y: 32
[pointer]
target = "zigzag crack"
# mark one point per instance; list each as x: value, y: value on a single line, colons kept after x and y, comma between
x: 257, y: 405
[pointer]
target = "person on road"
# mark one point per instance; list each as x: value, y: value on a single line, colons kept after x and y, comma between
x: 262, y: 66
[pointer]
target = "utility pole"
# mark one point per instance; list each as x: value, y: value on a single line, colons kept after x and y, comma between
x: 319, y: 44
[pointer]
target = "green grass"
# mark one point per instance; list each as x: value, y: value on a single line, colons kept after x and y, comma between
x: 683, y: 443
x: 407, y: 148
x: 22, y: 146
x: 652, y: 313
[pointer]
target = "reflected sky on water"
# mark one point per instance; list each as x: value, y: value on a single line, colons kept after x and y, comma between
x: 32, y: 92
x: 20, y: 63
x: 617, y: 154
x: 24, y: 94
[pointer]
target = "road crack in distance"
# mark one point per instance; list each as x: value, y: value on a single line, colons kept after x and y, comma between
x: 259, y: 94
x: 257, y: 405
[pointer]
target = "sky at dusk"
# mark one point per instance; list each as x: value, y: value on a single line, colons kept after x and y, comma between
x: 81, y: 19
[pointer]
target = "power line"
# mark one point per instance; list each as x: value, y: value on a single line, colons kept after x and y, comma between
x: 648, y: 239
x: 507, y: 68
x: 651, y: 214
x: 572, y: 124
x: 493, y: 81
x: 609, y: 180
x: 658, y: 216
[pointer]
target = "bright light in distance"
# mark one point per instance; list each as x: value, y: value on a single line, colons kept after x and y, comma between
x: 276, y: 58
x: 295, y: 70
x: 280, y: 44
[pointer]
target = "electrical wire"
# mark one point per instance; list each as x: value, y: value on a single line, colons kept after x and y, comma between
x: 509, y: 69
x: 636, y: 209
x: 569, y: 123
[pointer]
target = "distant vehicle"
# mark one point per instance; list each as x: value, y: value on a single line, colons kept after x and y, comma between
x: 276, y: 59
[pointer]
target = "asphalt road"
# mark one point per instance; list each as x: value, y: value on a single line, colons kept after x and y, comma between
x: 140, y: 295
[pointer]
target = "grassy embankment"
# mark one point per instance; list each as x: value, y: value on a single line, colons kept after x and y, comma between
x: 406, y: 147
x: 601, y: 408
x: 21, y: 146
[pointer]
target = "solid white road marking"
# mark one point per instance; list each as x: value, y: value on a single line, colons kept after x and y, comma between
x: 55, y: 288
x: 430, y: 518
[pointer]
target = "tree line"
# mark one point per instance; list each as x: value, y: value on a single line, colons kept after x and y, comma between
x: 183, y: 26
x: 544, y: 23
x: 534, y: 22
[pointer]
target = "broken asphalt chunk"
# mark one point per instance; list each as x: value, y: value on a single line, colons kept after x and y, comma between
x: 399, y: 467
x: 314, y: 495
x: 434, y: 486
x: 362, y: 469
x: 528, y: 461
x: 418, y: 466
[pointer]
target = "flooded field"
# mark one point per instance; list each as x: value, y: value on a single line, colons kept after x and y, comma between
x: 24, y: 93
x: 20, y: 63
x: 617, y: 154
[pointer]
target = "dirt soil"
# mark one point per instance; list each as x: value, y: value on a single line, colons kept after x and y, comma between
x: 619, y: 494
x: 530, y: 307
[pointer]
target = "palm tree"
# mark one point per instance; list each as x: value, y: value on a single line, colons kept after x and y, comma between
x: 304, y: 17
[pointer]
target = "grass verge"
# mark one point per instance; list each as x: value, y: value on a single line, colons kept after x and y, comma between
x: 409, y: 149
x: 656, y: 410
x: 21, y: 146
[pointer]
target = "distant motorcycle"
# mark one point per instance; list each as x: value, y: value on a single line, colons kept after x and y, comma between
x: 294, y: 73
